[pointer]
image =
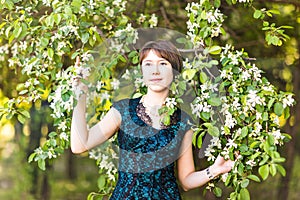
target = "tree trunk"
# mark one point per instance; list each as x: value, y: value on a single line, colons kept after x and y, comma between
x: 46, y: 189
x: 34, y: 142
x: 283, y: 190
x: 71, y: 165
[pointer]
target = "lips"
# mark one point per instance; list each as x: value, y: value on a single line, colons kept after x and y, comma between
x: 155, y: 80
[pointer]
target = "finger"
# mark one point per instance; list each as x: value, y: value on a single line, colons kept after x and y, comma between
x: 77, y: 61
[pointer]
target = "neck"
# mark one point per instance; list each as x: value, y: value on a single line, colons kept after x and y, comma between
x: 156, y: 98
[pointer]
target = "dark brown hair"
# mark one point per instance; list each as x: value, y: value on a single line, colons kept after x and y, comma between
x: 164, y: 49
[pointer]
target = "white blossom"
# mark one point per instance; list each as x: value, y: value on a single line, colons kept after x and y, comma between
x: 153, y: 21
x: 258, y: 115
x: 214, y: 16
x: 23, y: 45
x: 216, y: 142
x: 46, y: 2
x: 51, y: 153
x: 226, y: 48
x: 86, y: 56
x: 109, y: 11
x: 139, y: 82
x: 105, y: 96
x: 115, y: 83
x: 187, y: 64
x: 209, y: 153
x: 288, y: 101
x: 243, y: 1
x: 126, y: 75
x: 254, y: 99
x: 99, y: 85
x: 225, y: 153
x: 276, y: 120
x: 230, y: 122
x: 235, y: 104
x: 171, y: 102
x: 83, y: 72
x: 255, y: 73
x: 251, y: 163
x: 268, y: 88
x: 278, y: 137
x: 142, y: 18
x: 64, y: 136
x: 245, y: 75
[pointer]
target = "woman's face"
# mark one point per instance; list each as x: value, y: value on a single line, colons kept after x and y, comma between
x: 157, y: 72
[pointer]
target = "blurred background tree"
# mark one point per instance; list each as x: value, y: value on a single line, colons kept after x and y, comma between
x: 18, y: 179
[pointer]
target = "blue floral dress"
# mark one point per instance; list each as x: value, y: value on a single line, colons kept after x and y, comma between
x: 147, y: 155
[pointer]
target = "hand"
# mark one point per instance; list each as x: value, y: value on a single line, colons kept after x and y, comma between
x: 221, y: 166
x: 76, y: 82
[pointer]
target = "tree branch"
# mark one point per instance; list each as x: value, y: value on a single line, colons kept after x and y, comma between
x: 295, y: 2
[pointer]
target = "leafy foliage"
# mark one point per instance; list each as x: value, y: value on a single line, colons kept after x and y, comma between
x: 239, y: 108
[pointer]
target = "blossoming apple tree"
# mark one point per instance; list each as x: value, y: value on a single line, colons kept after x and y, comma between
x: 239, y: 108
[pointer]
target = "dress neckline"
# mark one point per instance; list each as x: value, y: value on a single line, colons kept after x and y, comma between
x: 133, y: 105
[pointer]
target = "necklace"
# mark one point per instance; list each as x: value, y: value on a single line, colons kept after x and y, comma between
x: 152, y: 111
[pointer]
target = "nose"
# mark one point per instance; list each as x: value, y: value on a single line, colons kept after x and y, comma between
x: 156, y: 70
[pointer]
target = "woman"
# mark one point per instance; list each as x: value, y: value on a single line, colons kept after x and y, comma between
x: 148, y: 148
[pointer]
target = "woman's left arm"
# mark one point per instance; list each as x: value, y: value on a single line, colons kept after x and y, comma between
x: 188, y: 177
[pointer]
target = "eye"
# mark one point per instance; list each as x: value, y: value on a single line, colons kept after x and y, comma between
x: 164, y: 63
x: 147, y: 64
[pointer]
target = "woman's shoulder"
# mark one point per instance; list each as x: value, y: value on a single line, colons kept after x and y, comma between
x: 125, y: 103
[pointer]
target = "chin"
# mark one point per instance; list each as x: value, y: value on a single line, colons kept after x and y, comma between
x: 158, y: 88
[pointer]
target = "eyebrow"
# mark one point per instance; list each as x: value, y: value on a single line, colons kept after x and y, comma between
x: 162, y: 59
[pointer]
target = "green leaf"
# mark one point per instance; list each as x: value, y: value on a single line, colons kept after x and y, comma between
x: 278, y: 108
x: 200, y: 140
x: 286, y: 112
x: 76, y: 4
x: 253, y: 177
x: 101, y: 181
x: 50, y: 52
x: 265, y: 116
x: 273, y: 169
x: 217, y: 191
x: 135, y: 60
x: 122, y: 58
x: 50, y: 21
x: 257, y: 14
x: 254, y: 144
x: 31, y: 157
x: 85, y: 37
x: 132, y: 54
x: 264, y: 171
x: 244, y: 194
x: 166, y: 120
x: 17, y: 31
x: 68, y: 10
x: 245, y: 183
x: 265, y: 158
x: 75, y: 54
x: 44, y: 42
x: 24, y: 113
x: 213, y: 131
x: 7, y: 31
x: 189, y: 74
x: 57, y: 18
x: 203, y: 77
x: 214, y: 50
x: 276, y: 12
x: 42, y: 164
x: 281, y: 169
x: 244, y: 131
x: 214, y: 101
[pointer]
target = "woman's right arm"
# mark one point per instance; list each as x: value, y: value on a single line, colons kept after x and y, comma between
x: 83, y: 139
